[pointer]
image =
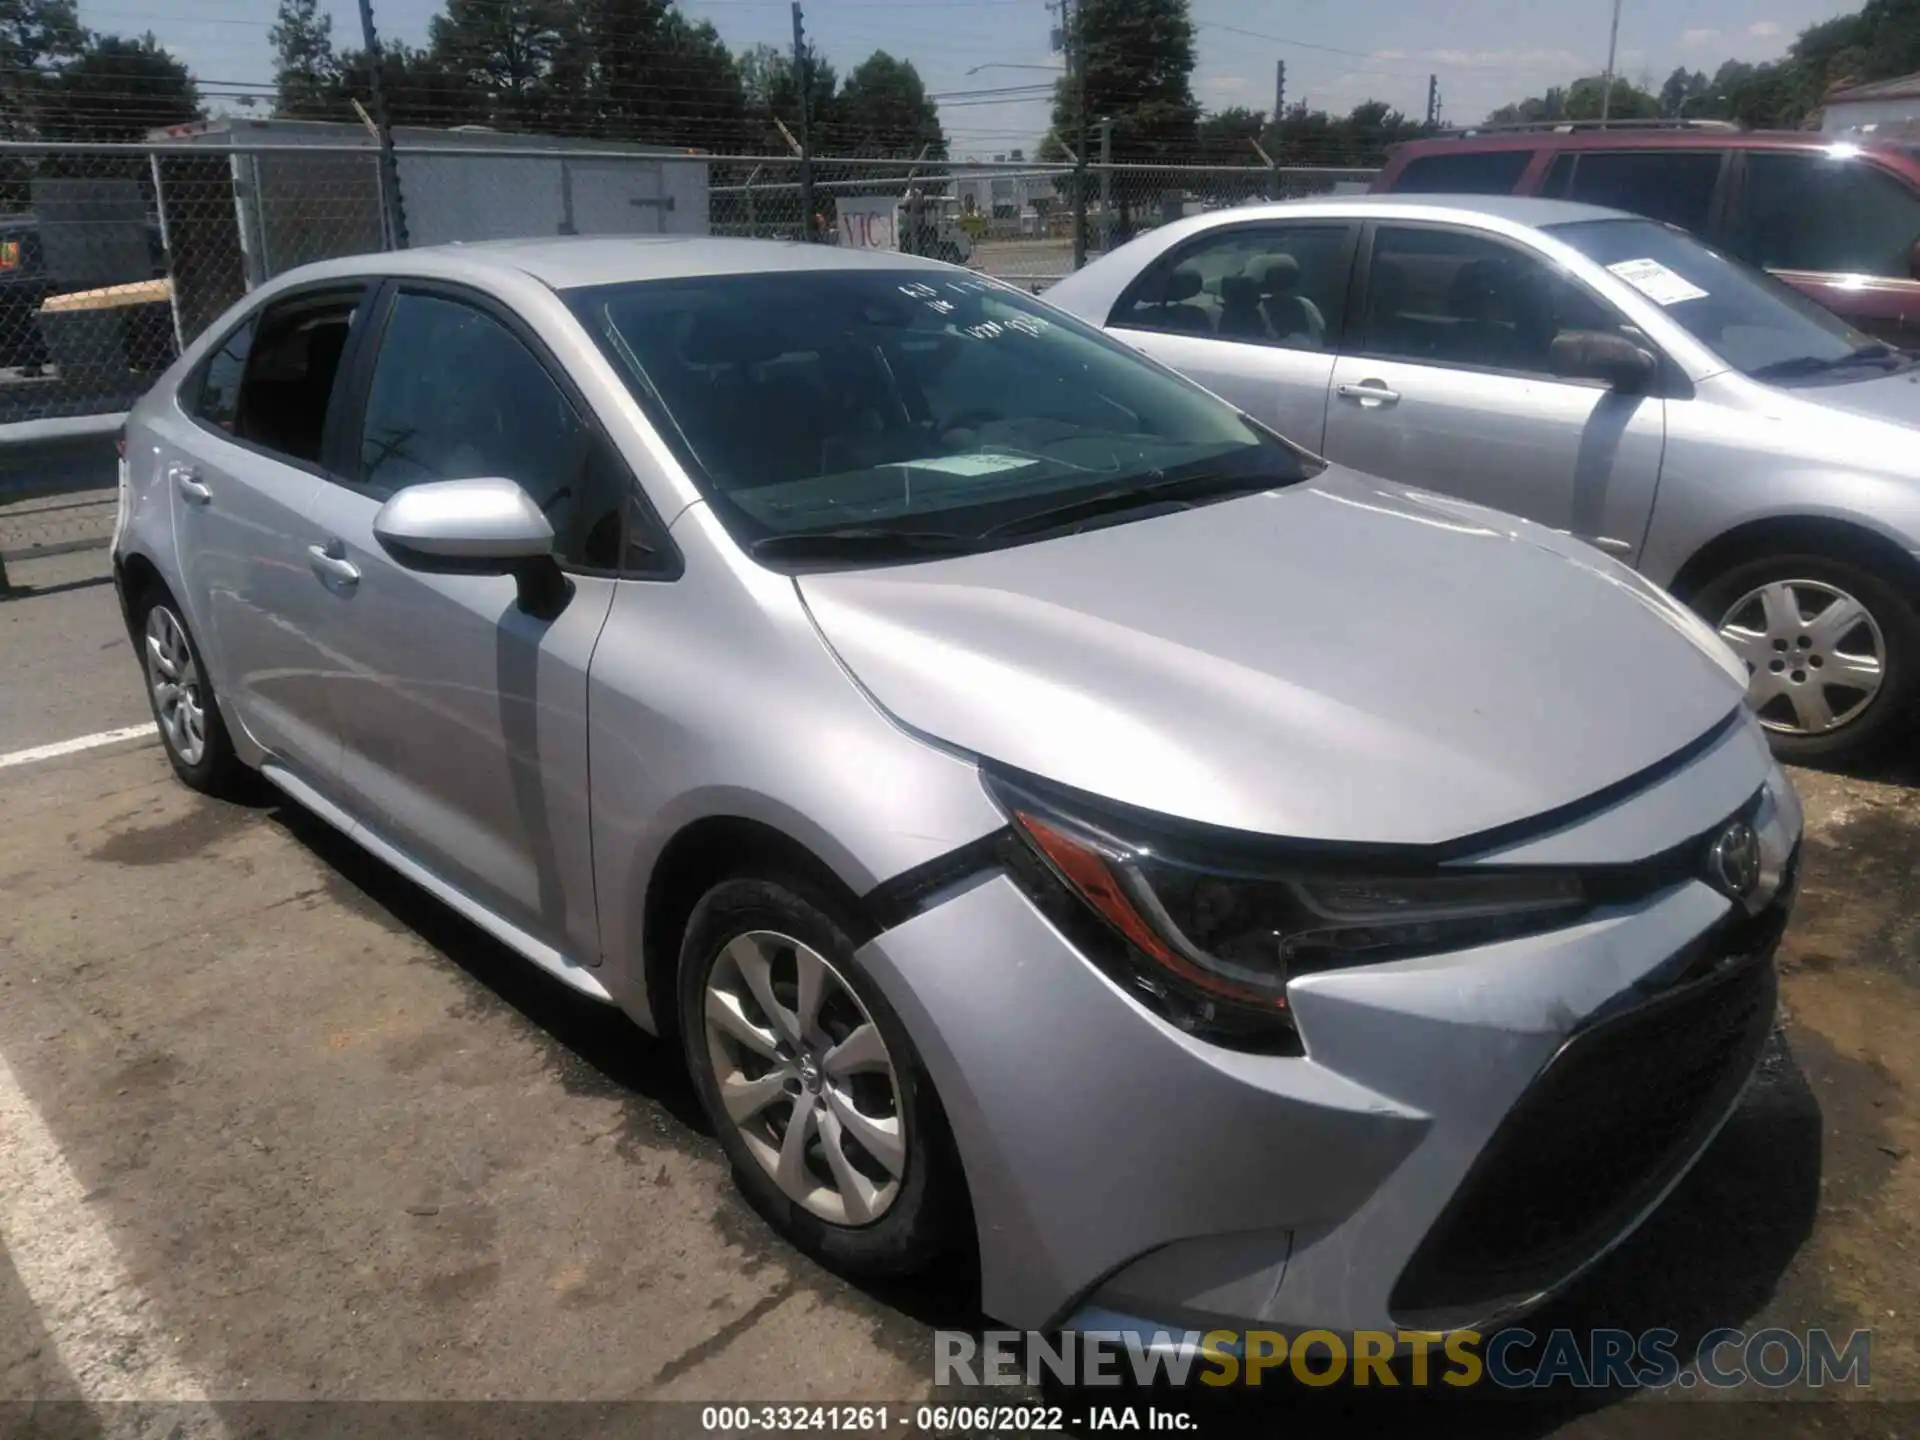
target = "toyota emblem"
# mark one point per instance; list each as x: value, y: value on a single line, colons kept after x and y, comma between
x: 1734, y: 860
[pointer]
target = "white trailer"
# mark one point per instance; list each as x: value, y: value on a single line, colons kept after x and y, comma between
x: 466, y: 183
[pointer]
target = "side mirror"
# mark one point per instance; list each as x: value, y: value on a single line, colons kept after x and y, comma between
x: 1913, y: 258
x: 1602, y: 355
x: 475, y: 527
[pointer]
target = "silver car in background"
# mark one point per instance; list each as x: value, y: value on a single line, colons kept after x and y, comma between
x: 1607, y: 376
x: 1053, y: 813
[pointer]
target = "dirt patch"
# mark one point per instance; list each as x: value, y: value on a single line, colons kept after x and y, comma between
x: 190, y: 834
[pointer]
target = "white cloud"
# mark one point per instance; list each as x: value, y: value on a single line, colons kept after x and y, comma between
x: 1528, y: 59
x: 1766, y: 29
x: 1694, y: 39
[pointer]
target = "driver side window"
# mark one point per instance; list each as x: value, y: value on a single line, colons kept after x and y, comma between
x: 455, y: 395
x: 1454, y: 298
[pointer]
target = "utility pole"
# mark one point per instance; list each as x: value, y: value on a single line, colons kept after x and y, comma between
x: 389, y: 170
x: 1279, y: 90
x: 1077, y: 36
x: 1433, y: 100
x: 806, y: 138
x: 1613, y: 44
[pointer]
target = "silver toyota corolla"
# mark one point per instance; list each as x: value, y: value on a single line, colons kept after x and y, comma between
x: 1052, y: 812
x: 1608, y: 376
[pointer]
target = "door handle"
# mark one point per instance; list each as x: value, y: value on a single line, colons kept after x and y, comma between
x: 1371, y: 393
x: 331, y: 566
x: 186, y: 480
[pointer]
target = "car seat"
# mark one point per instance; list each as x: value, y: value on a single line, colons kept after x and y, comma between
x: 1173, y: 312
x: 1289, y: 314
x: 1240, y: 315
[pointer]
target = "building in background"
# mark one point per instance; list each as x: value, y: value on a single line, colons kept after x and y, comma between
x: 1879, y: 107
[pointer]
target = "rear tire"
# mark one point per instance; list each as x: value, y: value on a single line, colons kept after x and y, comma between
x: 847, y: 1075
x: 1832, y: 648
x: 180, y: 693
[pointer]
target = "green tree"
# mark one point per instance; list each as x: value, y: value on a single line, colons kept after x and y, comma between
x: 36, y: 38
x: 1139, y: 73
x: 1684, y: 89
x: 419, y: 88
x: 772, y: 92
x: 640, y: 70
x: 883, y: 110
x: 1227, y: 137
x: 117, y: 90
x: 1580, y: 101
x: 306, y: 75
x: 506, y: 50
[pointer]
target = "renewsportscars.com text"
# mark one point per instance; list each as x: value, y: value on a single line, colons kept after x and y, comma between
x: 1513, y: 1358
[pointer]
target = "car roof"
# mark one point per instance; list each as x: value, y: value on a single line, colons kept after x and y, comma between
x: 570, y: 262
x: 1678, y: 138
x: 1516, y: 209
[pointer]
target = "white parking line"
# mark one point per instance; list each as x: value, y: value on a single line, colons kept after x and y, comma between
x: 99, y: 1325
x: 78, y: 743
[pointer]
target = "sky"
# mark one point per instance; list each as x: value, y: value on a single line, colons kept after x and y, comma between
x: 1338, y: 52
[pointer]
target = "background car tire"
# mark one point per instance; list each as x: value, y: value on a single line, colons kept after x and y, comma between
x: 211, y: 767
x: 920, y: 1222
x: 1893, y: 627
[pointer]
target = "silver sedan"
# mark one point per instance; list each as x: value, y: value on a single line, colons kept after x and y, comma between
x: 1606, y: 376
x: 1051, y: 814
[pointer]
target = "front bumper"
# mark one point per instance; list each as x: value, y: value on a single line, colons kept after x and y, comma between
x: 1119, y: 1166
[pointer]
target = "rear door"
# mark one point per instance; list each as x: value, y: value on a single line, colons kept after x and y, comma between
x: 1836, y: 226
x: 463, y: 716
x: 1252, y: 312
x: 1445, y: 385
x: 241, y: 457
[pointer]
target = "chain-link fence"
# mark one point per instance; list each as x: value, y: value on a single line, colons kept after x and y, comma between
x: 113, y: 257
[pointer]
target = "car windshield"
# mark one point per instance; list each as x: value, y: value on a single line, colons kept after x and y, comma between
x: 913, y: 409
x: 1757, y: 324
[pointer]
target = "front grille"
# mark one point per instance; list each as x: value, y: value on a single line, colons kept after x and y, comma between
x: 1616, y: 1113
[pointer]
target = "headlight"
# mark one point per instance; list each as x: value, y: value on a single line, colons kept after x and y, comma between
x: 1217, y: 938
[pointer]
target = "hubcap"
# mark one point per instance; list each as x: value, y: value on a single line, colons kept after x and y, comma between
x: 805, y: 1077
x: 174, y: 676
x: 1815, y: 656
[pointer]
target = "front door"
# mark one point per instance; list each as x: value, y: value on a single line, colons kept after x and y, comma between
x: 242, y: 466
x: 463, y: 716
x: 1446, y: 385
x: 1252, y: 312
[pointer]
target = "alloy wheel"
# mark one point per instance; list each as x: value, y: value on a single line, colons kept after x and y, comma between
x: 1815, y: 655
x: 805, y: 1077
x: 173, y: 674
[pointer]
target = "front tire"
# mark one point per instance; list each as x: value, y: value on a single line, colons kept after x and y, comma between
x: 181, y: 696
x: 811, y: 1083
x: 1832, y: 649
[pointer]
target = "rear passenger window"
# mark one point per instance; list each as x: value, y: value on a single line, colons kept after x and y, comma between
x: 1486, y: 172
x: 1281, y: 285
x: 289, y: 373
x: 217, y: 401
x: 1824, y: 213
x: 1675, y: 186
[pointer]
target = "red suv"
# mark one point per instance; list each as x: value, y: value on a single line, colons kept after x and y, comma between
x: 1837, y: 218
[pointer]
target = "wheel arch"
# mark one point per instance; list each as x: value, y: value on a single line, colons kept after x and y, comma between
x: 699, y: 855
x: 1795, y: 534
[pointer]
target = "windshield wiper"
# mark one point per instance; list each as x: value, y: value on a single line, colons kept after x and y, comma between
x: 1133, y: 497
x: 860, y: 542
x: 1820, y: 365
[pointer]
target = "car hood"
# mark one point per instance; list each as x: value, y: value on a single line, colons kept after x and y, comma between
x: 1342, y: 659
x: 1888, y: 397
